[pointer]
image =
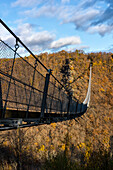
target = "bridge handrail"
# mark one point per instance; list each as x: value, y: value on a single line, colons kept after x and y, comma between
x: 18, y: 40
x: 33, y: 88
x: 26, y: 86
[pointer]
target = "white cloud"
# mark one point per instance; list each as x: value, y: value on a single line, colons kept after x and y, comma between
x: 65, y: 1
x: 6, y: 36
x: 110, y: 50
x: 26, y: 3
x: 93, y: 16
x: 84, y: 47
x: 82, y: 19
x: 34, y: 40
x: 62, y: 42
x: 42, y: 40
x: 42, y: 11
x: 38, y: 41
x: 47, y: 10
x: 85, y: 14
x: 101, y: 29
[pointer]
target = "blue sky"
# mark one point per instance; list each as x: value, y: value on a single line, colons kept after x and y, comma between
x: 54, y: 25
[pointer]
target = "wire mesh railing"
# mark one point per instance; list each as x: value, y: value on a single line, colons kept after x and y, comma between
x: 21, y: 84
x: 23, y: 87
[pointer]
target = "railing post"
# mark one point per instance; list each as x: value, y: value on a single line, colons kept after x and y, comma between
x: 68, y: 108
x: 1, y: 102
x: 52, y: 98
x: 43, y: 106
x: 76, y: 107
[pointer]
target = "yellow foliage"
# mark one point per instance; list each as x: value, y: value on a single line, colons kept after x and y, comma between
x: 9, y: 167
x: 101, y: 89
x: 106, y: 118
x: 47, y: 139
x: 52, y: 147
x: 36, y: 143
x: 106, y: 142
x: 27, y: 147
x: 71, y: 68
x: 63, y: 147
x: 5, y: 143
x: 53, y: 125
x: 95, y: 64
x: 87, y: 155
x: 88, y: 150
x: 81, y: 145
x: 70, y: 81
x: 105, y: 132
x: 100, y: 63
x: 42, y: 148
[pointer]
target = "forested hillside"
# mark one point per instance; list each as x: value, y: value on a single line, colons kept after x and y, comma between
x: 86, y: 140
x: 98, y: 121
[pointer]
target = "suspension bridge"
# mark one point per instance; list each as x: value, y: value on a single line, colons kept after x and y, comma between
x: 30, y: 98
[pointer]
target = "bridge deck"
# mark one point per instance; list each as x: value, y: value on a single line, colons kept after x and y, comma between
x: 16, y: 118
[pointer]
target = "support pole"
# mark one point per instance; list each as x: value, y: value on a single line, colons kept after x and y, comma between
x: 43, y: 106
x: 1, y: 102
